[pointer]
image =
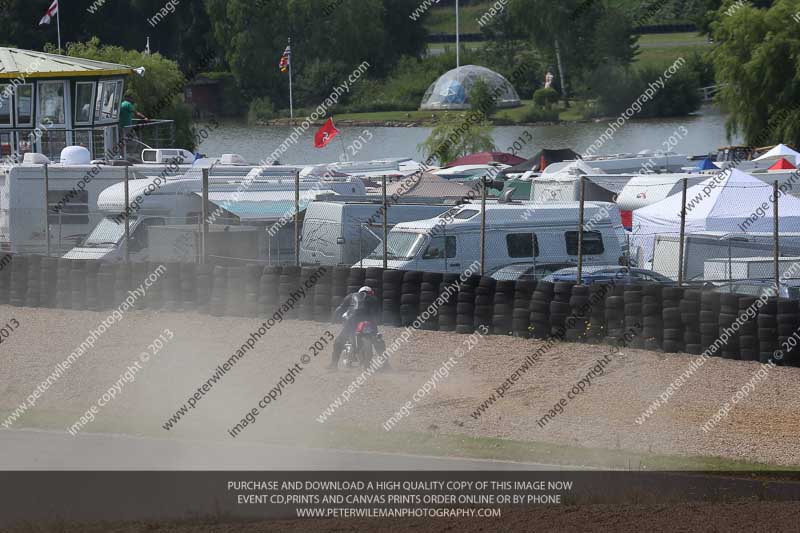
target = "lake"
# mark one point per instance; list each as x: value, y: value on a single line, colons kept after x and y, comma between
x: 699, y: 134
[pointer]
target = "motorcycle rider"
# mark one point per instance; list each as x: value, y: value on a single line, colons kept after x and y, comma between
x: 361, y: 306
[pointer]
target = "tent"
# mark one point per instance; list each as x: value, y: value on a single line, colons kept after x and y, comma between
x: 484, y: 158
x: 451, y: 90
x: 782, y: 164
x: 780, y: 151
x: 541, y: 160
x: 706, y: 164
x: 731, y: 201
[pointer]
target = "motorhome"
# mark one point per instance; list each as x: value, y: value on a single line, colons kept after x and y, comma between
x: 515, y: 233
x: 264, y: 197
x: 656, y: 161
x: 344, y: 232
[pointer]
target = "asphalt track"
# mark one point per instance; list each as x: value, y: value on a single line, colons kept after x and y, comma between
x: 57, y: 451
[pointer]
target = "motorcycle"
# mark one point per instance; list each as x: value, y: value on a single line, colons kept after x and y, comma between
x: 365, y: 343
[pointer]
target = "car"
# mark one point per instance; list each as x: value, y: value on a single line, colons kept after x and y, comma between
x: 527, y: 271
x: 609, y: 273
x: 756, y: 287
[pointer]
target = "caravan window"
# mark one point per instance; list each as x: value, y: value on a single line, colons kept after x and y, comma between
x: 522, y: 245
x: 441, y: 248
x: 592, y: 243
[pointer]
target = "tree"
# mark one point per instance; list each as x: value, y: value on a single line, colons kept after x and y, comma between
x: 481, y: 99
x: 456, y: 136
x: 754, y: 61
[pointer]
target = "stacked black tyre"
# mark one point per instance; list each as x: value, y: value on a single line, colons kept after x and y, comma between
x: 465, y: 309
x: 171, y: 284
x: 429, y: 292
x: 289, y: 282
x: 355, y: 279
x: 219, y: 290
x: 373, y: 278
x: 633, y: 297
x: 391, y: 297
x: 234, y: 297
x: 448, y: 312
x: 268, y: 291
x: 49, y: 280
x: 767, y: 321
x: 673, y: 321
x: 77, y: 285
x: 155, y: 293
x: 748, y: 332
x: 188, y: 285
x: 615, y: 315
x: 323, y: 294
x: 33, y: 294
x: 560, y: 308
x: 729, y: 312
x: 5, y: 276
x: 540, y: 310
x: 105, y: 285
x: 577, y: 322
x: 598, y: 292
x: 409, y: 297
x: 690, y: 314
x: 338, y: 289
x: 652, y: 316
x: 503, y: 309
x: 252, y: 284
x: 787, y: 320
x: 484, y: 303
x: 709, y: 319
x: 520, y: 310
x: 205, y: 283
x: 63, y: 279
x: 19, y: 281
x: 306, y: 303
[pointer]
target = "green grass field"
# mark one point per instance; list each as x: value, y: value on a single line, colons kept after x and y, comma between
x: 443, y: 19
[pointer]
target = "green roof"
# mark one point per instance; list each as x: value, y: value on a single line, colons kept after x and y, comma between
x: 16, y: 63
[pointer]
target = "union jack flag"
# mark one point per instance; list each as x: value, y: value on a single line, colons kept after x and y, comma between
x: 286, y: 59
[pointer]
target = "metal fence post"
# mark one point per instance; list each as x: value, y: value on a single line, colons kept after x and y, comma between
x: 204, y: 235
x: 775, y: 234
x: 385, y: 225
x: 581, y: 213
x: 297, y: 218
x: 683, y: 232
x: 483, y: 226
x: 47, y: 206
x: 126, y: 211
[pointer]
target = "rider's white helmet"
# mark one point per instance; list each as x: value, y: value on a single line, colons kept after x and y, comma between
x: 366, y: 289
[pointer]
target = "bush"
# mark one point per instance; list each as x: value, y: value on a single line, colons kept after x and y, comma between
x: 545, y: 97
x: 536, y: 114
x: 261, y: 110
x: 481, y: 99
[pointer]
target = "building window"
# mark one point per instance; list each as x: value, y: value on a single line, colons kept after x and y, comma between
x: 592, y: 243
x: 109, y: 96
x: 5, y: 105
x: 24, y: 100
x: 66, y: 207
x: 51, y: 103
x: 521, y: 245
x: 441, y: 248
x: 84, y: 98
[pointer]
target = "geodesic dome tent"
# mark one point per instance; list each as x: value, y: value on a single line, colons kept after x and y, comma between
x: 451, y: 90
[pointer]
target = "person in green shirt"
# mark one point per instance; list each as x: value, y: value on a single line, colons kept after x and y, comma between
x: 126, y: 112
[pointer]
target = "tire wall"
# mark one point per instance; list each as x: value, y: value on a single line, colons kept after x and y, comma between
x: 651, y: 316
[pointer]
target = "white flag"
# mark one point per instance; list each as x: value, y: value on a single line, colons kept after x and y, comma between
x: 50, y: 13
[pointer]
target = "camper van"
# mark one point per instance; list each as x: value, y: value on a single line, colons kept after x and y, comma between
x: 267, y: 196
x: 515, y: 233
x: 344, y: 232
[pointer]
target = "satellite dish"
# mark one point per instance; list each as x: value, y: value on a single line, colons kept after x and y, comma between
x: 140, y: 71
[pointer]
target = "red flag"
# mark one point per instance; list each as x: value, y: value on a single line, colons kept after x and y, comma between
x: 325, y: 134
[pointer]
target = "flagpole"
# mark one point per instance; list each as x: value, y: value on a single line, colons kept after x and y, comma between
x: 58, y: 23
x: 458, y: 43
x: 291, y: 101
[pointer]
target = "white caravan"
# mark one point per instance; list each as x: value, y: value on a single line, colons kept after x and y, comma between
x: 266, y: 196
x: 515, y: 233
x: 344, y: 232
